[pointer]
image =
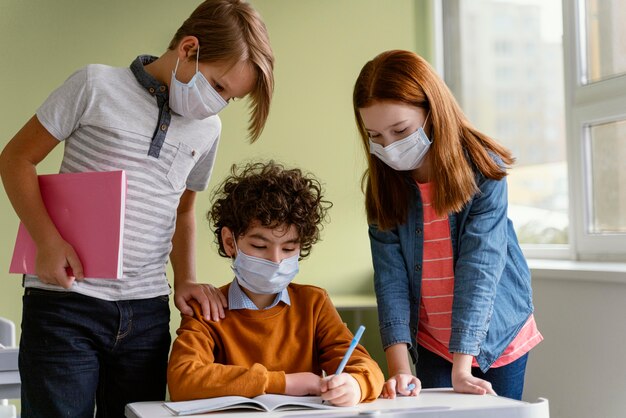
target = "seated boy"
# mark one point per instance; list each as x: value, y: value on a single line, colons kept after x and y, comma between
x: 277, y: 336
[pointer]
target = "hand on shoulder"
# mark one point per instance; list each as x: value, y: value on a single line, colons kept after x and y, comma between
x: 210, y: 298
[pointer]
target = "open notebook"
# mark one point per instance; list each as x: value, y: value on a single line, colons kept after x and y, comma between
x: 259, y: 403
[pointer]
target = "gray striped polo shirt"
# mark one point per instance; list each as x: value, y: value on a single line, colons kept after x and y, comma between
x: 108, y: 120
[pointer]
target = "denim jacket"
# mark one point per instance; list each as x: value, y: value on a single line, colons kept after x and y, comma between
x: 492, y: 292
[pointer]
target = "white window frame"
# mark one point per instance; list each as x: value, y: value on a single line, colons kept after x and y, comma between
x: 585, y: 105
x: 599, y: 102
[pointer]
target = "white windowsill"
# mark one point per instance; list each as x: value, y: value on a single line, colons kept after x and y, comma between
x: 584, y: 271
x: 589, y: 271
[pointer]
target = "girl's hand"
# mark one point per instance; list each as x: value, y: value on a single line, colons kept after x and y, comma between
x: 302, y: 384
x: 53, y: 260
x: 210, y: 298
x: 341, y: 390
x: 399, y: 384
x: 462, y: 379
x: 466, y: 383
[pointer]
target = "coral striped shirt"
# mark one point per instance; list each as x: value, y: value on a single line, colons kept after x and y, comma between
x: 435, y: 311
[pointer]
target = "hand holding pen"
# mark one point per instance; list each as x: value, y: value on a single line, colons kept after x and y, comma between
x: 342, y: 389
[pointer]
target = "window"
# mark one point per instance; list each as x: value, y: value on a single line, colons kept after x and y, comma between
x: 596, y: 106
x: 504, y: 62
x: 602, y: 35
x: 504, y: 59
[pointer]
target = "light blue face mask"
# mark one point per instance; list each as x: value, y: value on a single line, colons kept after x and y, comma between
x: 406, y: 154
x: 196, y: 99
x: 263, y: 276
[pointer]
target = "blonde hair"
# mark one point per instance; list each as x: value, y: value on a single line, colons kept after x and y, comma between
x: 232, y: 31
x: 457, y: 149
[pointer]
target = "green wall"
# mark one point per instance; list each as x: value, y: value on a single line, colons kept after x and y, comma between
x: 320, y: 46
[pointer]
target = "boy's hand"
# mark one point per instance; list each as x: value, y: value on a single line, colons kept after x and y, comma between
x: 399, y: 385
x: 52, y: 261
x: 302, y: 384
x: 341, y: 390
x: 210, y: 298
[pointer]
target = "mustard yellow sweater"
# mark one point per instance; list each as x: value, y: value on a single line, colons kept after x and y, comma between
x: 249, y: 352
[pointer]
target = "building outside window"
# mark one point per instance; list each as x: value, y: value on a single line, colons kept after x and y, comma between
x: 504, y: 62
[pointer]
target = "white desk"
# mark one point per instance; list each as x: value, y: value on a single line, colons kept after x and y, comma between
x: 9, y: 374
x: 431, y: 403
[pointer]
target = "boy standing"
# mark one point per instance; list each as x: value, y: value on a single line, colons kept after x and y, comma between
x: 87, y: 341
x: 278, y: 336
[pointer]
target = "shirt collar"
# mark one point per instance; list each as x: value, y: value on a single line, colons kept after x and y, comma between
x: 237, y: 299
x: 159, y: 91
x: 154, y: 86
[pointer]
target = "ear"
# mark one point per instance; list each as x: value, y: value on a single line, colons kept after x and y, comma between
x: 228, y: 241
x: 187, y: 47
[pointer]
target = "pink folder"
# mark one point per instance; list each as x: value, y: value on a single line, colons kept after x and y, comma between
x: 88, y: 210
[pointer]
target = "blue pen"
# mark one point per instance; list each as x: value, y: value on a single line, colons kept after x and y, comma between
x: 350, y: 349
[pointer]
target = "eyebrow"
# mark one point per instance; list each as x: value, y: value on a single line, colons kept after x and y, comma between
x: 390, y: 126
x: 263, y: 238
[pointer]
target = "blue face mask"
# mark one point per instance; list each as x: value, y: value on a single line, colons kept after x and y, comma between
x: 262, y: 276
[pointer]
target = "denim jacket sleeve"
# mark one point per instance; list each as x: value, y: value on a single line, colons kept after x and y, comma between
x: 481, y: 249
x: 391, y: 283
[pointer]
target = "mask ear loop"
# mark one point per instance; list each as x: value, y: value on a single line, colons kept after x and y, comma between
x: 176, y: 68
x: 197, y: 56
x: 197, y: 59
x: 235, y: 242
x: 426, y: 120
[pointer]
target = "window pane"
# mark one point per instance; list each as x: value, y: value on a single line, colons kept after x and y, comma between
x: 605, y: 35
x: 511, y: 88
x: 608, y: 174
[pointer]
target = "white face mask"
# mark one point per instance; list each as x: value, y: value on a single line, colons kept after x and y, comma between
x: 196, y: 99
x: 405, y: 154
x: 263, y: 276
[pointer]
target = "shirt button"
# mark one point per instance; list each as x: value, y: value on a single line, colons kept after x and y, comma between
x: 151, y: 90
x: 418, y: 231
x: 418, y: 267
x: 162, y: 88
x: 193, y: 153
x: 164, y: 127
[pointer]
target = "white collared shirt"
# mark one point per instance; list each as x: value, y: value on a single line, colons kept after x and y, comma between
x: 237, y: 299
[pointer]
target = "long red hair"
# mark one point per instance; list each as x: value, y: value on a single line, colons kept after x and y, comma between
x: 457, y: 147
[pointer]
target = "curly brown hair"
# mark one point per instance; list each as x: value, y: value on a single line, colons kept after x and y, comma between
x: 269, y: 193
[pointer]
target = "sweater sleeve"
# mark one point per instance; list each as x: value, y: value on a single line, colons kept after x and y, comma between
x: 333, y: 339
x: 193, y: 374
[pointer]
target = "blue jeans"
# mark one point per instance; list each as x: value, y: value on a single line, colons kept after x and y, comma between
x: 77, y: 352
x: 435, y: 372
